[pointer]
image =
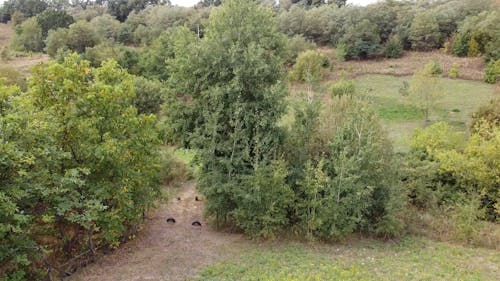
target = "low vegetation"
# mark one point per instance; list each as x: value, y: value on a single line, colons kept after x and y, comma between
x: 134, y: 91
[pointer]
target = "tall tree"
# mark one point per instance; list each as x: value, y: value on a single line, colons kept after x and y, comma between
x: 232, y: 79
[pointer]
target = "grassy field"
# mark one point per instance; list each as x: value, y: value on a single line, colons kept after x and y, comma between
x: 460, y: 99
x: 411, y: 259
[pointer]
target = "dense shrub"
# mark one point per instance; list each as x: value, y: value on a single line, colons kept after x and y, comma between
x: 78, y: 37
x: 492, y: 72
x: 52, y: 19
x: 454, y: 70
x: 309, y: 66
x: 295, y: 46
x: 424, y: 32
x: 361, y: 41
x: 149, y: 95
x: 341, y: 88
x: 393, y: 47
x: 489, y: 113
x: 93, y: 164
x: 28, y: 36
x: 461, y: 45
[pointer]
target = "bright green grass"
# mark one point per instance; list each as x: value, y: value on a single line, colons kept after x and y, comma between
x: 366, y: 260
x: 460, y: 99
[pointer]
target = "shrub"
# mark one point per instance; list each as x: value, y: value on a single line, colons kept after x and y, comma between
x: 461, y: 45
x: 340, y: 52
x: 295, y: 46
x: 473, y: 48
x: 454, y: 70
x: 492, y: 72
x: 52, y: 19
x: 28, y: 36
x: 435, y: 68
x: 361, y: 40
x: 81, y: 35
x: 56, y: 40
x: 309, y: 65
x: 149, y: 95
x: 393, y: 47
x: 489, y: 113
x: 342, y: 88
x: 424, y: 32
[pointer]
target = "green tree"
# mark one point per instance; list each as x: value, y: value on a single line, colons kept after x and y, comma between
x: 424, y: 32
x: 52, y: 19
x: 424, y: 89
x: 232, y: 77
x: 393, y: 47
x: 28, y: 36
x: 361, y: 40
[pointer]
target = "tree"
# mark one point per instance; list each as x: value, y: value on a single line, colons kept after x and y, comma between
x: 28, y: 36
x: 393, y: 47
x: 424, y: 89
x: 424, y: 32
x: 309, y: 69
x: 53, y: 19
x: 81, y: 35
x: 232, y: 79
x: 361, y: 40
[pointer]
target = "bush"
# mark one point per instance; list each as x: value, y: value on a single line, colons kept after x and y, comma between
x: 28, y: 36
x: 492, y: 72
x: 295, y: 46
x: 361, y: 41
x: 52, y: 19
x: 489, y: 113
x: 393, y: 47
x: 149, y: 95
x: 309, y: 65
x: 424, y: 32
x: 342, y: 88
x: 435, y: 68
x: 461, y: 45
x: 454, y: 70
x: 473, y: 48
x: 56, y: 40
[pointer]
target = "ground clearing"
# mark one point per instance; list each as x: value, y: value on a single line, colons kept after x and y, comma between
x: 21, y: 62
x: 469, y: 68
x: 179, y: 251
x: 461, y: 98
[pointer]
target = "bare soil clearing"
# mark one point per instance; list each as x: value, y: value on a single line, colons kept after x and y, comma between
x: 168, y: 251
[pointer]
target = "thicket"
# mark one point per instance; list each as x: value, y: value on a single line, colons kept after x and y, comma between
x: 78, y: 164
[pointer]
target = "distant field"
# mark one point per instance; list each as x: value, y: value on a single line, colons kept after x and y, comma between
x: 461, y: 98
x: 411, y: 259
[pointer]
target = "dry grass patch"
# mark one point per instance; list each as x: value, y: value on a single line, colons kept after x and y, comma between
x: 469, y: 68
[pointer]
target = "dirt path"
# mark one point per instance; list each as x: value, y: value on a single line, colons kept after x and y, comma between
x: 166, y: 251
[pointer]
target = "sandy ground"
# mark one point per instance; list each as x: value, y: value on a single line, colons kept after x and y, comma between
x: 166, y: 251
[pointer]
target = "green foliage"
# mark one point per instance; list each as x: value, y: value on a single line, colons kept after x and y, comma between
x: 53, y: 19
x: 231, y: 79
x: 28, y: 36
x: 56, y: 40
x: 106, y: 27
x: 309, y: 67
x: 295, y: 46
x: 461, y: 45
x: 341, y: 88
x: 492, y: 72
x: 342, y: 176
x: 149, y: 95
x: 454, y: 70
x: 78, y: 37
x: 393, y: 47
x: 361, y: 40
x: 263, y: 201
x: 75, y: 154
x: 489, y: 113
x: 473, y: 48
x: 424, y: 89
x: 424, y: 32
x: 28, y: 8
x: 455, y: 168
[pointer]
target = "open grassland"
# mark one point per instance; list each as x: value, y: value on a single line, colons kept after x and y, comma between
x: 411, y: 259
x: 460, y: 99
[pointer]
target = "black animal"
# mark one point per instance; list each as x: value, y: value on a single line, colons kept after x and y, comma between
x: 172, y: 220
x: 196, y: 198
x: 196, y: 223
x: 178, y: 199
